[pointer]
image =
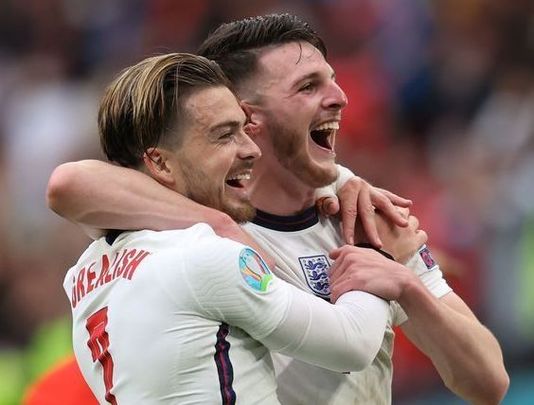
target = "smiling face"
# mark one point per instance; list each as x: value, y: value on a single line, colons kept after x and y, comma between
x: 297, y: 104
x: 214, y: 161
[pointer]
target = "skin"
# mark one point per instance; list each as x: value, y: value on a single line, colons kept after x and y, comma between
x: 215, y: 149
x: 295, y: 92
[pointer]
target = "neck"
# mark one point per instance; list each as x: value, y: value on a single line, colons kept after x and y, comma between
x: 278, y: 191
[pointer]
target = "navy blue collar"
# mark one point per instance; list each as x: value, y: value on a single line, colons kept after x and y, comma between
x: 298, y: 222
x: 112, y: 235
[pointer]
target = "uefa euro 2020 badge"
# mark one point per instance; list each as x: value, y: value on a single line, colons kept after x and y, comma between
x: 254, y: 270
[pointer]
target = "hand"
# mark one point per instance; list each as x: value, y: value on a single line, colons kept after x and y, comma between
x: 367, y: 270
x: 401, y: 242
x: 359, y: 197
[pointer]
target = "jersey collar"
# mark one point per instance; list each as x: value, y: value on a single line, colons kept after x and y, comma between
x: 112, y: 236
x: 298, y: 222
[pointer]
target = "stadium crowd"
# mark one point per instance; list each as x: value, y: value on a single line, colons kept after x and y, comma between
x: 441, y: 110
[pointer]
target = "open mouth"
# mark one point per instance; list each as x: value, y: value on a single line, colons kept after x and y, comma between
x: 236, y: 180
x: 323, y: 135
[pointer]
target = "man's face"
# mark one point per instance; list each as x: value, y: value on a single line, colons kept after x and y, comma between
x: 214, y: 161
x: 300, y: 105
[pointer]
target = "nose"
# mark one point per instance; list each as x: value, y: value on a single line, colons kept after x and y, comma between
x: 335, y: 99
x: 248, y: 150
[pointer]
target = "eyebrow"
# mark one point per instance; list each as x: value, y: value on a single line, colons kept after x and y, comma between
x: 228, y: 124
x: 312, y: 76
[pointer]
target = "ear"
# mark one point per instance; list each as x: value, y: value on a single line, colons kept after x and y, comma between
x: 157, y: 163
x: 253, y: 125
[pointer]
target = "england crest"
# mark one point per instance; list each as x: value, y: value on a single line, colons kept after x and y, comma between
x: 315, y: 269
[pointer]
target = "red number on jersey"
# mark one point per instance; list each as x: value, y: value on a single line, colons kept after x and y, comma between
x: 99, y: 343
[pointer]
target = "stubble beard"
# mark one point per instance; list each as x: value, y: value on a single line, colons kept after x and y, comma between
x: 291, y: 152
x: 205, y: 193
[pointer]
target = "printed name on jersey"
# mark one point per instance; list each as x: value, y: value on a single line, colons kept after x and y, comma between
x: 254, y: 270
x: 89, y: 278
x: 315, y: 270
x: 427, y: 257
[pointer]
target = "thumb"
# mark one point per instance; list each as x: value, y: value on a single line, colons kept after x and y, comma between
x: 331, y: 205
x: 334, y: 254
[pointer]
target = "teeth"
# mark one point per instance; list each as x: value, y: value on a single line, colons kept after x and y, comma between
x: 245, y: 176
x: 328, y: 125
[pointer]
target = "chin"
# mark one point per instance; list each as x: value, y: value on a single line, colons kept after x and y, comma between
x: 319, y: 174
x: 240, y: 213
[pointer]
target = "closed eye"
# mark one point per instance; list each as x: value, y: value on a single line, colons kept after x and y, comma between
x: 307, y: 87
x: 226, y: 136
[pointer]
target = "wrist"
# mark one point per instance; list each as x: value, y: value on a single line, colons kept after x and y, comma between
x: 343, y: 175
x: 381, y: 251
x: 412, y: 291
x: 221, y: 222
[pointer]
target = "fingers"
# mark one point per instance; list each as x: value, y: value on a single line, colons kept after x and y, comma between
x: 413, y: 222
x: 344, y: 257
x: 349, y: 195
x: 404, y: 211
x: 335, y: 253
x: 338, y: 267
x: 330, y: 205
x: 356, y: 200
x: 422, y: 237
x: 337, y: 289
x: 357, y: 197
x: 395, y: 199
x: 327, y: 206
x: 395, y: 214
x: 367, y: 217
x: 326, y: 201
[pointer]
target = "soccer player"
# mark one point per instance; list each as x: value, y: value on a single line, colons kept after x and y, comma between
x: 186, y: 316
x: 277, y: 65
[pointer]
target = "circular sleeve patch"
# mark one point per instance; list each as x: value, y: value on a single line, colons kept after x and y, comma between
x: 254, y: 270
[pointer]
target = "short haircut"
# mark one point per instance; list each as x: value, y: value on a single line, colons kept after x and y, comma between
x: 143, y: 107
x: 235, y: 46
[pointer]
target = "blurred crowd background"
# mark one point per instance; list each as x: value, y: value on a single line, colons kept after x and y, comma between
x: 441, y: 110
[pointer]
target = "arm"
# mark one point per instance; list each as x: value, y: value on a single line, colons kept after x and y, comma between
x: 358, y: 199
x: 98, y: 196
x: 341, y: 337
x: 464, y: 352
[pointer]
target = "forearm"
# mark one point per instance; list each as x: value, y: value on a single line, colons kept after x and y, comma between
x: 99, y: 196
x: 464, y: 352
x: 341, y: 337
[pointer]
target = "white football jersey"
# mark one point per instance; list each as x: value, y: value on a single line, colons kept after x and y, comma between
x: 300, y: 244
x: 149, y: 319
x: 186, y: 317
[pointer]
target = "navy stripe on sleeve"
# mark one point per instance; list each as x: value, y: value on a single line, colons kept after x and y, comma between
x: 224, y: 366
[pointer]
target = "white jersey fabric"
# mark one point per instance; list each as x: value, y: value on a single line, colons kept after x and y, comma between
x: 300, y: 245
x: 187, y: 317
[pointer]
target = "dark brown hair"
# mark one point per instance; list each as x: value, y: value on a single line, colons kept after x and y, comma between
x: 235, y: 45
x: 142, y: 106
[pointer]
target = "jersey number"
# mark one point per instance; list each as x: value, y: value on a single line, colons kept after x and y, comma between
x: 99, y: 343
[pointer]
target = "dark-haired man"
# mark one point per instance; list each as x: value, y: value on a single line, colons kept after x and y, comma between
x: 277, y: 65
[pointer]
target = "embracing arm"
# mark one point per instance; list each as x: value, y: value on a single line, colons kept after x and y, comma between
x: 99, y: 196
x: 341, y: 337
x: 464, y: 352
